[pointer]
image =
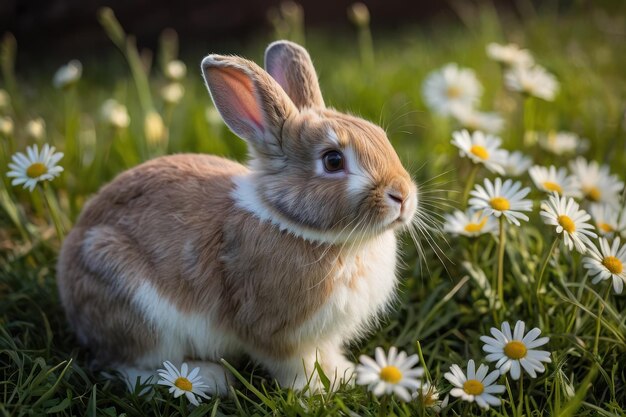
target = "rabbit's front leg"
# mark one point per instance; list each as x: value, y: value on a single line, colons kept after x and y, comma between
x: 298, y: 371
x: 215, y: 376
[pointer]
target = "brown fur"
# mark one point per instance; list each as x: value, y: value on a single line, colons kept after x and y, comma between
x: 173, y: 222
x: 147, y: 218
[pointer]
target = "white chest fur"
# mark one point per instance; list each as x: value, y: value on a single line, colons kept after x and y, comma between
x: 362, y: 290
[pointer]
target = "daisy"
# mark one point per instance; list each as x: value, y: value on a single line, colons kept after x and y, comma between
x: 359, y: 14
x: 428, y: 396
x: 175, y: 70
x: 68, y: 74
x: 481, y: 149
x: 172, y: 93
x: 516, y: 351
x: 552, y: 180
x: 608, y: 218
x: 391, y: 373
x: 476, y: 386
x: 472, y: 119
x: 499, y: 199
x: 510, y: 55
x: 451, y: 86
x: 561, y: 143
x: 6, y: 126
x: 154, y: 128
x: 183, y: 383
x: 469, y: 223
x: 607, y: 262
x: 36, y: 129
x: 596, y: 182
x: 516, y: 163
x: 565, y: 214
x: 35, y: 166
x: 115, y: 114
x: 533, y: 81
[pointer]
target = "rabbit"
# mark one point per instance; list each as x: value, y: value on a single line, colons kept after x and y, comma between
x: 285, y: 260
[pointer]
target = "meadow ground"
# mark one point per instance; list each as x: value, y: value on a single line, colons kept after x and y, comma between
x: 448, y: 293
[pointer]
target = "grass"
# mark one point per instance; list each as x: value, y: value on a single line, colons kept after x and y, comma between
x: 445, y: 304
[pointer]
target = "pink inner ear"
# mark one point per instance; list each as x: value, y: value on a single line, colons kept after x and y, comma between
x: 236, y: 91
x: 278, y: 74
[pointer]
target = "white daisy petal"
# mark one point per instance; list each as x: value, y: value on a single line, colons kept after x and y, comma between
x: 491, y: 378
x: 380, y: 357
x: 518, y: 332
x: 457, y: 392
x: 369, y: 362
x: 515, y: 370
x: 491, y: 399
x: 527, y: 367
x: 481, y: 401
x: 402, y: 392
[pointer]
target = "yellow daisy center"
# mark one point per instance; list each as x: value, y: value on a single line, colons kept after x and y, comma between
x: 183, y: 383
x: 552, y: 186
x: 500, y: 203
x: 473, y: 387
x: 475, y: 227
x: 593, y: 193
x: 391, y: 374
x: 515, y: 349
x: 453, y: 91
x: 428, y: 398
x: 479, y: 151
x: 36, y: 170
x: 567, y: 223
x: 613, y: 264
x: 605, y: 227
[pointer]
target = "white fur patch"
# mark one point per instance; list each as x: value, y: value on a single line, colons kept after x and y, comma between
x: 358, y: 178
x: 333, y: 138
x: 353, y: 306
x: 180, y: 335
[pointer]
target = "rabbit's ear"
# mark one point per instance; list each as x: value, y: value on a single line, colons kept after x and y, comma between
x: 251, y: 103
x: 290, y: 65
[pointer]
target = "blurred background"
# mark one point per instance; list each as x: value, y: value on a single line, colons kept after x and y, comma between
x: 60, y: 29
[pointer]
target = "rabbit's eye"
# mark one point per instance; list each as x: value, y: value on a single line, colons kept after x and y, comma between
x: 333, y: 161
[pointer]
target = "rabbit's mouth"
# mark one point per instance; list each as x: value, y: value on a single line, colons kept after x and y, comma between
x: 402, y: 211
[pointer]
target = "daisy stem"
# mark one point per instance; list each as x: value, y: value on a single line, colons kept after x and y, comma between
x: 520, y: 405
x: 529, y: 120
x: 384, y: 409
x: 599, y: 320
x: 469, y: 184
x: 466, y: 409
x: 545, y: 265
x: 53, y: 206
x: 421, y: 356
x: 501, y: 263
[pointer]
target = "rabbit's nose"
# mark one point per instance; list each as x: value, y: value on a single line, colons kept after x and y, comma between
x: 401, y: 195
x: 395, y: 197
